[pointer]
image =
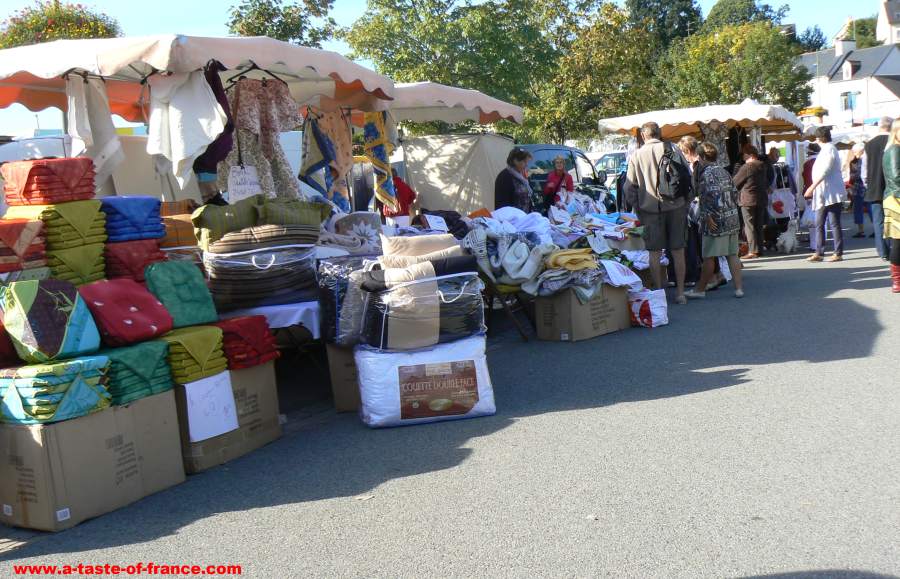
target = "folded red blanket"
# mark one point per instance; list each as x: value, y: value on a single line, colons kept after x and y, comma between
x: 19, y: 176
x: 125, y: 311
x: 247, y: 341
x: 130, y: 258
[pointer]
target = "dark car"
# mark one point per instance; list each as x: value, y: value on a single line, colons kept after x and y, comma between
x: 588, y: 180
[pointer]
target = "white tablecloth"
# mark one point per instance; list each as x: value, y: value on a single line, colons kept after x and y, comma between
x: 283, y: 316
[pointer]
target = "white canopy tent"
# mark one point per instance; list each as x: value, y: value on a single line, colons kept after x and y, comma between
x: 33, y: 75
x: 429, y: 101
x: 676, y: 123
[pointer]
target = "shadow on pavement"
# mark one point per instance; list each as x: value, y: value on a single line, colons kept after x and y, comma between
x: 788, y: 315
x: 824, y: 574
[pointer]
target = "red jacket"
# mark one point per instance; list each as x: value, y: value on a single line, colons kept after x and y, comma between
x: 405, y: 197
x: 553, y: 184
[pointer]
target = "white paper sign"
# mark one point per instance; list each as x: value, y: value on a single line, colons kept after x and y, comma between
x: 436, y: 222
x: 210, y: 407
x: 243, y: 182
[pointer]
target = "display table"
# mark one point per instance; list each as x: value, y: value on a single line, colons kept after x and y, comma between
x: 284, y: 316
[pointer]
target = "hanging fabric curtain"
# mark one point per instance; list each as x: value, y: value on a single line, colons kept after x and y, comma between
x: 318, y: 154
x: 377, y: 150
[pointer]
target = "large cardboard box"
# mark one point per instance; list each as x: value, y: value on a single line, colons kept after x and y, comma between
x: 564, y: 318
x: 256, y: 400
x: 55, y: 476
x: 344, y: 378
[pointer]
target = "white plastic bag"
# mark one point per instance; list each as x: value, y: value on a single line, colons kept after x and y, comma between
x: 723, y: 267
x: 649, y: 308
x: 446, y: 382
x: 808, y: 219
x: 782, y: 204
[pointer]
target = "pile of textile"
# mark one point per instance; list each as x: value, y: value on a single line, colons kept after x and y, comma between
x: 195, y: 353
x: 75, y: 234
x: 48, y: 181
x: 265, y: 236
x: 176, y: 218
x: 129, y: 259
x: 125, y: 312
x: 131, y: 218
x: 181, y: 289
x: 356, y: 233
x: 597, y: 227
x: 22, y: 245
x: 510, y: 251
x: 54, y: 391
x: 138, y: 371
x: 247, y: 342
x: 334, y: 280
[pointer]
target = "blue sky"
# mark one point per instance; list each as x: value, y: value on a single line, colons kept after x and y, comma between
x: 208, y: 17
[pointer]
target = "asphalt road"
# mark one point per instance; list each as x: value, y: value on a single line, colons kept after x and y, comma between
x: 755, y: 437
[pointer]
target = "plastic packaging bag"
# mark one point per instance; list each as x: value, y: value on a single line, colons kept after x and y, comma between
x: 782, y: 204
x: 334, y: 279
x: 425, y: 312
x: 264, y: 277
x: 447, y: 382
x: 649, y: 308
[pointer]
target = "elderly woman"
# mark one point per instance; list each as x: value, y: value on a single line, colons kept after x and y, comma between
x: 559, y: 186
x: 892, y: 202
x: 826, y: 193
x: 719, y: 221
x: 511, y: 187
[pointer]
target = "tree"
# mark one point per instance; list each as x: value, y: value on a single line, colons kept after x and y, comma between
x: 863, y: 31
x: 737, y: 62
x: 599, y: 76
x: 667, y: 19
x: 54, y: 20
x: 735, y: 12
x: 306, y: 23
x: 812, y: 40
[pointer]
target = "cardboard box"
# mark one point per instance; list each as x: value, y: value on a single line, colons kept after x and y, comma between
x: 565, y: 319
x: 256, y: 400
x: 55, y: 476
x: 344, y: 378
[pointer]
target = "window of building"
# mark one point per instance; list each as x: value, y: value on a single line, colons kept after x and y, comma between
x: 848, y: 101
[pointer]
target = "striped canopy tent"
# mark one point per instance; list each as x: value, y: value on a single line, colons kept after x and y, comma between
x: 34, y: 75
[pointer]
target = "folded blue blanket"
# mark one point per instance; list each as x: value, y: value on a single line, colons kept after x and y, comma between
x: 117, y: 237
x: 137, y: 210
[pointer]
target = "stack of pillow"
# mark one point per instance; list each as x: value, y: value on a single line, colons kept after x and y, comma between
x: 48, y: 181
x: 247, y: 342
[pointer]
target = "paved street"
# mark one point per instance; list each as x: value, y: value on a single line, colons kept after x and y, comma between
x: 748, y: 438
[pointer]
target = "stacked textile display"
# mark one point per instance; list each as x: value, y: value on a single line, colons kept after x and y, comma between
x: 125, y: 312
x: 48, y: 181
x: 129, y: 259
x: 75, y: 235
x: 247, y: 342
x: 195, y: 353
x: 22, y: 245
x: 138, y: 371
x: 133, y: 217
x: 180, y: 287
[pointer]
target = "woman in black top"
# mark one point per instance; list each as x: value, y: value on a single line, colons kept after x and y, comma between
x: 511, y: 188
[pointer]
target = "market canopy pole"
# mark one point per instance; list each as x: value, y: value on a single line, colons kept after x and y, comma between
x: 33, y: 75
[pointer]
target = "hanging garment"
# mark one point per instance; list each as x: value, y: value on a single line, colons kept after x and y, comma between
x: 129, y: 259
x: 125, y: 312
x: 21, y: 244
x: 185, y: 118
x: 262, y: 109
x: 265, y: 236
x: 247, y: 342
x: 218, y: 150
x: 54, y: 392
x: 378, y: 150
x: 46, y: 181
x: 89, y: 123
x: 78, y: 265
x: 195, y: 353
x: 138, y: 371
x: 180, y: 287
x: 336, y: 126
x: 47, y: 320
x: 132, y: 217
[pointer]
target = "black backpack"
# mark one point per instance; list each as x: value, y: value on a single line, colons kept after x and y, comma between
x: 674, y: 176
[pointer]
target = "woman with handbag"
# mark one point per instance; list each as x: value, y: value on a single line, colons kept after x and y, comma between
x: 891, y: 202
x: 559, y: 185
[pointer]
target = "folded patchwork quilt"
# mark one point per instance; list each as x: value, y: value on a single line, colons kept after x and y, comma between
x: 195, y: 353
x: 47, y: 320
x: 51, y: 180
x: 53, y: 392
x: 130, y: 258
x: 247, y: 341
x: 138, y: 371
x: 180, y: 287
x: 125, y: 312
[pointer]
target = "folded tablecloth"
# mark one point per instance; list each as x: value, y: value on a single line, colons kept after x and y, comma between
x: 195, y: 353
x: 130, y: 258
x: 48, y: 180
x: 247, y: 342
x: 138, y: 371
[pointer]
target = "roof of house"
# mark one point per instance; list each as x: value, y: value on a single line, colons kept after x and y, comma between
x: 826, y: 63
x: 892, y: 9
x: 892, y: 82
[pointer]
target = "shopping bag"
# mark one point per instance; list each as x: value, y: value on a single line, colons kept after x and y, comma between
x: 782, y: 204
x: 723, y: 267
x: 808, y: 219
x: 648, y: 308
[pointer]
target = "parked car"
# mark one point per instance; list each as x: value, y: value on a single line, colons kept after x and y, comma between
x: 614, y: 164
x: 587, y: 178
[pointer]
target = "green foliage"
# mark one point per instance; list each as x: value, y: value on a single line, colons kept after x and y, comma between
x: 812, y: 40
x: 734, y: 12
x: 667, y: 19
x: 54, y: 20
x: 863, y: 31
x: 736, y: 62
x: 306, y: 23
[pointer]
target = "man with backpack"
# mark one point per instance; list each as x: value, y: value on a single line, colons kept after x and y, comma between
x: 658, y: 185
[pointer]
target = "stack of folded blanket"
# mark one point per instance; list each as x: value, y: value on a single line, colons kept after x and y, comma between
x: 262, y: 236
x: 176, y: 218
x: 129, y: 259
x: 195, y: 353
x: 54, y: 391
x: 182, y: 290
x: 247, y: 342
x: 133, y: 217
x: 22, y: 245
x: 138, y: 371
x: 48, y: 181
x: 264, y: 277
x: 125, y: 312
x: 75, y: 233
x: 47, y: 320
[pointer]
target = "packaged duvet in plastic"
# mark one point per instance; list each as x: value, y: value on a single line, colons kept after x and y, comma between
x: 447, y: 382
